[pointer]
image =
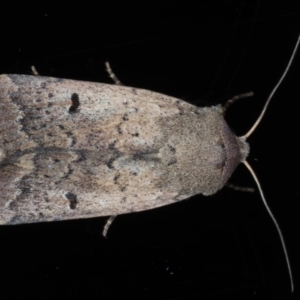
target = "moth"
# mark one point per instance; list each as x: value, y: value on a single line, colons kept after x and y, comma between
x: 72, y: 149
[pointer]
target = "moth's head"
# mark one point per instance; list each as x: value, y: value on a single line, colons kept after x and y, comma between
x: 244, y: 148
x: 235, y: 151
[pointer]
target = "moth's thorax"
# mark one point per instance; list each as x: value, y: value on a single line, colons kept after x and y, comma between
x: 207, y: 150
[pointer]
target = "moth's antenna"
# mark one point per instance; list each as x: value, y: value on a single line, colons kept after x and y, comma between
x: 252, y: 172
x: 275, y: 222
x: 273, y: 91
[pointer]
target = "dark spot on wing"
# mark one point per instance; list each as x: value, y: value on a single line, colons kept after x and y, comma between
x: 72, y: 199
x: 172, y: 149
x: 75, y: 103
x: 110, y: 163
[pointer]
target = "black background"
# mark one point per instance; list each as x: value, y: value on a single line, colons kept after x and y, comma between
x: 224, y: 246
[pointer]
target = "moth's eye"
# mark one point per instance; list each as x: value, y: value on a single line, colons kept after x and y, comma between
x: 221, y: 144
x: 221, y: 165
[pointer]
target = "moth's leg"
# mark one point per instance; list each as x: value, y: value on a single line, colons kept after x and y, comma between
x: 34, y: 71
x: 107, y: 225
x: 235, y: 98
x: 240, y: 188
x: 112, y: 74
